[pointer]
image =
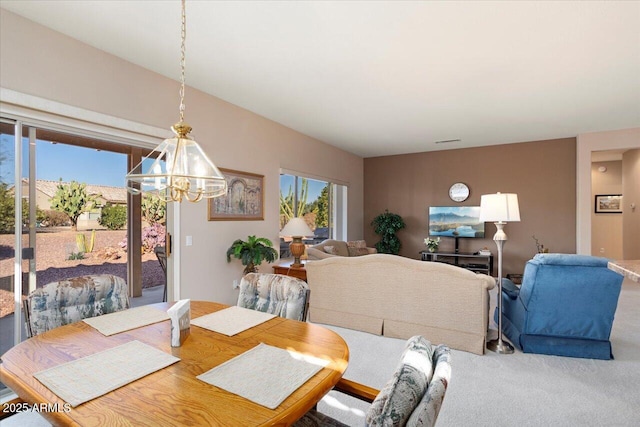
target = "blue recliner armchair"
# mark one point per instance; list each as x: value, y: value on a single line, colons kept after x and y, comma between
x: 565, y: 306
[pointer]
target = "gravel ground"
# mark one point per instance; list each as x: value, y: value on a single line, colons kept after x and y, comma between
x: 52, y: 250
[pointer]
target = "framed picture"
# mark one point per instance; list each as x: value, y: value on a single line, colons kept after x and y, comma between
x: 244, y: 200
x: 608, y: 203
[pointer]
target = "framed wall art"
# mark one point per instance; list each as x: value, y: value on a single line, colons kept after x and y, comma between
x: 608, y: 203
x: 244, y: 200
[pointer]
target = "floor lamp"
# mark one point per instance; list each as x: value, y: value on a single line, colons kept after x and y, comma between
x: 500, y: 209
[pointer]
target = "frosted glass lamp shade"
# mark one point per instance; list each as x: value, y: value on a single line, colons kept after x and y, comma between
x: 499, y: 207
x: 296, y: 227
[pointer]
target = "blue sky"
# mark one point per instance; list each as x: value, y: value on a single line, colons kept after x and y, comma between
x: 315, y: 187
x: 55, y: 161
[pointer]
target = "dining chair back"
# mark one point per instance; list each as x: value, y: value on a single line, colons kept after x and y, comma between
x: 277, y: 294
x: 71, y: 300
x: 412, y: 397
x: 161, y: 254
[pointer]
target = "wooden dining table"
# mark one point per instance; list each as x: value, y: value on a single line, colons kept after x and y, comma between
x: 173, y: 395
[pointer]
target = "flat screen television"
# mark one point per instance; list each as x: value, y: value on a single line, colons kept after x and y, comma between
x: 455, y: 221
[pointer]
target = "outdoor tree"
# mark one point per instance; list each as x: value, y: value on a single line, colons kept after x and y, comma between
x: 7, y: 209
x: 321, y: 208
x: 73, y: 200
x: 154, y: 210
x: 287, y: 208
x: 114, y: 217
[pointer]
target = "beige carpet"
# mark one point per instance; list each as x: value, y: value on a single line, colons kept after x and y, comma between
x: 518, y: 389
x: 505, y: 390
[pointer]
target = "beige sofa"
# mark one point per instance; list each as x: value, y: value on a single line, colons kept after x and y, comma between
x: 401, y: 297
x: 340, y: 247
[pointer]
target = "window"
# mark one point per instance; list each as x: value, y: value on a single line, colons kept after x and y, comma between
x: 322, y: 204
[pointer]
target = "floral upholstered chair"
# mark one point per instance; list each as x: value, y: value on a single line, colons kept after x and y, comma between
x: 71, y: 300
x: 412, y: 397
x: 277, y: 294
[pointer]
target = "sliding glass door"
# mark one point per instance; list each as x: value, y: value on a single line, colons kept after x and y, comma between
x: 17, y: 229
x: 46, y: 236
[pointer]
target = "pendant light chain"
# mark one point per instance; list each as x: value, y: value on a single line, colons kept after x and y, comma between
x: 178, y: 169
x: 183, y: 36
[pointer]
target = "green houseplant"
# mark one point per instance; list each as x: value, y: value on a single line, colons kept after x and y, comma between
x: 252, y: 252
x: 386, y: 225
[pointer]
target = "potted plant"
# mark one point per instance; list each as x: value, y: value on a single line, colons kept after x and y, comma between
x: 386, y: 225
x: 432, y: 244
x: 252, y: 252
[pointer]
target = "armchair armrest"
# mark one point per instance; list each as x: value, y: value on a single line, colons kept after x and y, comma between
x: 357, y: 390
x: 509, y: 288
x: 10, y: 404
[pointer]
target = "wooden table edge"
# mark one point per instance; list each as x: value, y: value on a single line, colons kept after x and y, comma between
x: 286, y: 417
x: 33, y: 398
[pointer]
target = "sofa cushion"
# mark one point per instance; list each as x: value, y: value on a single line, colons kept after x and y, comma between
x: 358, y: 251
x: 360, y: 244
x: 330, y: 250
x: 404, y: 391
x: 357, y: 248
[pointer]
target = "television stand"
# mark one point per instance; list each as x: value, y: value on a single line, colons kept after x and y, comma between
x: 476, y: 263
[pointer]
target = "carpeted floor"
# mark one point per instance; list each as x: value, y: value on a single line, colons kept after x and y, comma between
x: 504, y: 390
x: 518, y: 389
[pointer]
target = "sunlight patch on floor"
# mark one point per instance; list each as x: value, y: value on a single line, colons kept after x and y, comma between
x: 336, y: 404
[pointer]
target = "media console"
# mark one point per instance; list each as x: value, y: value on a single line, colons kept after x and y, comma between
x: 476, y: 263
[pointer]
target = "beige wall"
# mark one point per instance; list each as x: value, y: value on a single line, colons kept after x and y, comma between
x: 606, y: 228
x: 631, y: 201
x: 40, y: 62
x: 541, y: 173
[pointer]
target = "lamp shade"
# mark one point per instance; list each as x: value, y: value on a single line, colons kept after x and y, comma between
x: 499, y: 207
x: 296, y: 227
x: 177, y: 168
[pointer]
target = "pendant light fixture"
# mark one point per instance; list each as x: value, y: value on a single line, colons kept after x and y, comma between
x: 178, y: 168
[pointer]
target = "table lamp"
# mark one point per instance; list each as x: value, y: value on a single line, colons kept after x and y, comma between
x: 499, y: 208
x: 296, y: 228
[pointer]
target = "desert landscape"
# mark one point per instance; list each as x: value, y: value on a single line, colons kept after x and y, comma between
x: 53, y: 248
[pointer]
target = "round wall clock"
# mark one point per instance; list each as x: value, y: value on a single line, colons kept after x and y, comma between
x: 459, y: 192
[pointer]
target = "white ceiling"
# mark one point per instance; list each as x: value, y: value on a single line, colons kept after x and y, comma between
x: 381, y: 77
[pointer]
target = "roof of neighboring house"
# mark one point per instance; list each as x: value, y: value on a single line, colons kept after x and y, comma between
x: 108, y: 193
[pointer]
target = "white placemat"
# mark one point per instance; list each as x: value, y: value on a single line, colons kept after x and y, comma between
x: 125, y: 320
x: 92, y: 376
x: 232, y: 320
x: 265, y: 375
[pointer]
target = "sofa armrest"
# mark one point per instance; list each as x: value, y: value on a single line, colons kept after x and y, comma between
x: 510, y: 289
x: 372, y: 251
x: 313, y: 253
